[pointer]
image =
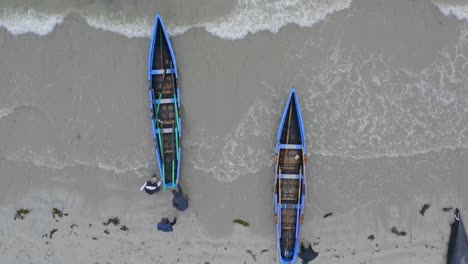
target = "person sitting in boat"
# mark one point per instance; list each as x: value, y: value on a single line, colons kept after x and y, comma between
x: 179, y: 201
x: 165, y: 225
x: 152, y: 186
x: 307, y: 254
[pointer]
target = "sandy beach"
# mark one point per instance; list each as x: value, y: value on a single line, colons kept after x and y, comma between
x: 383, y: 87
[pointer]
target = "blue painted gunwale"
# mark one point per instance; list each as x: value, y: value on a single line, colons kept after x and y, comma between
x: 153, y: 102
x: 158, y: 20
x: 278, y: 207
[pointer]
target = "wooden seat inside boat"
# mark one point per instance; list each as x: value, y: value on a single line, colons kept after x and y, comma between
x: 288, y: 218
x: 289, y: 191
x: 288, y: 162
x: 288, y: 229
x: 167, y: 89
x: 167, y: 115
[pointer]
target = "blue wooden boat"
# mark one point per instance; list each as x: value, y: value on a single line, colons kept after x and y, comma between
x: 290, y: 182
x: 458, y: 243
x: 165, y: 103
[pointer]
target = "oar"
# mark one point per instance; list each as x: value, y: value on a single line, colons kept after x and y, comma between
x: 161, y: 45
x: 279, y: 187
x: 300, y: 185
x: 287, y: 133
x: 174, y: 84
x: 177, y: 142
x: 287, y: 223
x: 173, y: 173
x: 161, y: 148
x: 173, y: 155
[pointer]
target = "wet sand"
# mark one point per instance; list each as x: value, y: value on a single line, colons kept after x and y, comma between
x: 383, y: 95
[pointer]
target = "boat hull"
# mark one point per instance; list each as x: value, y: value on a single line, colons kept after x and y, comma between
x: 290, y: 181
x: 164, y: 95
x: 458, y: 243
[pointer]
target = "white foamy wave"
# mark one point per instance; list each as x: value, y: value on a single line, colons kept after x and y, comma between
x: 460, y: 11
x: 251, y: 16
x: 118, y: 23
x: 6, y: 111
x: 245, y: 150
x: 358, y: 105
x: 117, y: 166
x: 19, y: 22
x: 47, y: 158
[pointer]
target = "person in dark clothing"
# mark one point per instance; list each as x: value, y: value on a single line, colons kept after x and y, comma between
x: 165, y: 225
x: 179, y: 201
x: 152, y: 186
x: 307, y: 254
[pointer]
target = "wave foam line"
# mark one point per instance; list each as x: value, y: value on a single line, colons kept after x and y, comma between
x: 118, y: 23
x: 50, y: 159
x: 460, y: 11
x: 19, y: 22
x: 378, y: 155
x: 47, y: 158
x: 249, y: 16
x: 252, y: 16
x: 6, y: 111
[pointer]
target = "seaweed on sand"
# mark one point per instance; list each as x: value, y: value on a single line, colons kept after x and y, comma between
x: 112, y: 220
x: 52, y: 232
x: 21, y: 213
x: 57, y: 213
x: 398, y: 233
x: 241, y: 222
x: 424, y: 208
x: 252, y: 254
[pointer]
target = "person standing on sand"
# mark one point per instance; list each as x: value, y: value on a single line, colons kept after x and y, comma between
x: 165, y: 225
x: 307, y: 254
x: 152, y: 186
x: 179, y: 201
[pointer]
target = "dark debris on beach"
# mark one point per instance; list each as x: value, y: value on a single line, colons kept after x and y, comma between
x: 424, y: 209
x: 21, y: 213
x: 52, y: 232
x: 371, y: 237
x: 327, y: 214
x: 252, y: 254
x: 395, y: 231
x: 112, y: 220
x: 241, y: 222
x: 446, y: 209
x: 57, y: 213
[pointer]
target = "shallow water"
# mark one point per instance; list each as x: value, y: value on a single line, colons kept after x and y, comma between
x: 383, y: 88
